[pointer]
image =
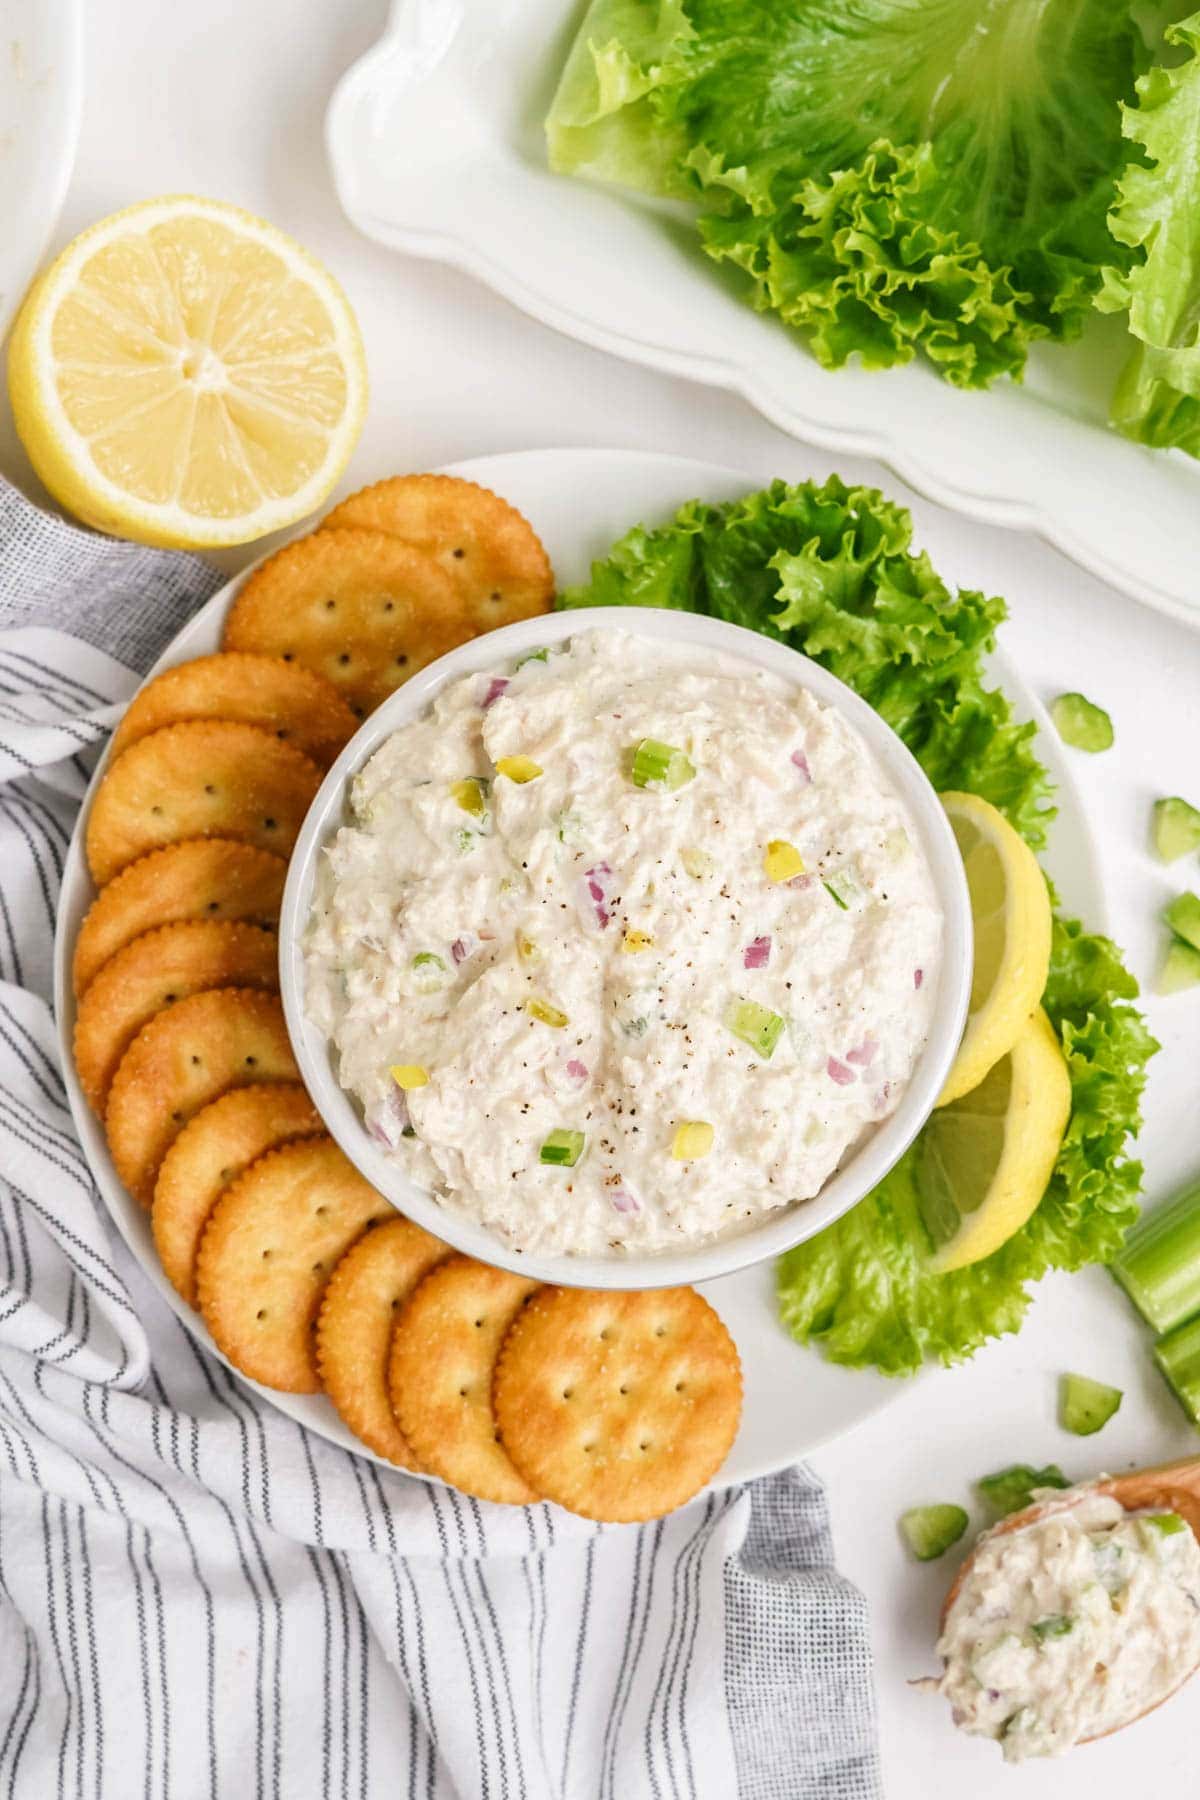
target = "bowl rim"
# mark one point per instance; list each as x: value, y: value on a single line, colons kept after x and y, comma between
x: 773, y: 1234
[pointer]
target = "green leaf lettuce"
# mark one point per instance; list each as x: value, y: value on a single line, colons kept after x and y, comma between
x: 891, y: 177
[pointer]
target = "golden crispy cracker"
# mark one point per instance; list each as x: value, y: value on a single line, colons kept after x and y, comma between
x: 440, y: 1375
x: 361, y: 608
x: 217, y: 1146
x: 268, y: 1250
x: 207, y: 878
x: 619, y: 1406
x: 490, y: 551
x: 210, y: 778
x: 294, y: 704
x: 182, y: 1060
x: 155, y: 971
x: 354, y: 1330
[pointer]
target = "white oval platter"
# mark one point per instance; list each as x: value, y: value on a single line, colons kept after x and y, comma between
x: 435, y: 143
x: 580, y: 501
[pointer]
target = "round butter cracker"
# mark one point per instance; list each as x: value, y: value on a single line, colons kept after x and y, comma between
x: 440, y: 1374
x: 619, y: 1406
x: 208, y: 778
x: 354, y: 1329
x: 212, y: 1150
x: 182, y: 1060
x: 270, y: 1246
x: 206, y: 878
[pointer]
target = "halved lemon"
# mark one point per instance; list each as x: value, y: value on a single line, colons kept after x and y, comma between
x: 185, y: 374
x: 985, y: 1160
x: 1010, y: 913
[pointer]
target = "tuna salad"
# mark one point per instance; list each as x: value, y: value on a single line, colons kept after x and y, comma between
x: 1074, y: 1624
x: 624, y: 947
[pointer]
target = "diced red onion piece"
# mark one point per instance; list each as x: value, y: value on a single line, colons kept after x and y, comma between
x: 464, y: 946
x: 757, y: 953
x: 799, y: 881
x: 801, y: 762
x: 576, y: 1070
x: 918, y: 977
x: 838, y: 1071
x: 864, y: 1054
x: 883, y: 1097
x: 625, y: 1200
x: 388, y: 1122
x: 496, y: 687
x: 595, y: 891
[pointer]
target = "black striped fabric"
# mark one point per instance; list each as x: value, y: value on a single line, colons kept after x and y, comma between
x: 198, y: 1597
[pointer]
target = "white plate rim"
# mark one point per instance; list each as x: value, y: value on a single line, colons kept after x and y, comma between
x: 872, y: 1391
x: 366, y: 83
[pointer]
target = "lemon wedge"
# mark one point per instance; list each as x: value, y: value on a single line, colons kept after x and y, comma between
x: 185, y: 374
x: 986, y: 1158
x: 1010, y: 914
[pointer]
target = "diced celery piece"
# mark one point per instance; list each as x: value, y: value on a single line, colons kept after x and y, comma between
x: 1180, y: 969
x: 562, y: 1148
x: 1011, y: 1490
x: 465, y: 841
x: 1054, y: 1625
x: 429, y: 971
x: 692, y: 1141
x: 931, y: 1530
x: 1159, y: 1263
x: 542, y: 655
x: 1167, y: 1524
x: 1176, y: 829
x: 1084, y: 1405
x: 546, y: 1014
x: 1081, y: 724
x: 756, y: 1025
x: 661, y: 766
x: 697, y: 863
x: 1183, y: 916
x: 1178, y: 1356
x: 835, y: 896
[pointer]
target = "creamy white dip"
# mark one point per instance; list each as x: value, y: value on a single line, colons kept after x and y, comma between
x: 570, y: 952
x: 1073, y: 1625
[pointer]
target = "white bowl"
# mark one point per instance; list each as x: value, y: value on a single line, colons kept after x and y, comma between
x: 863, y: 1167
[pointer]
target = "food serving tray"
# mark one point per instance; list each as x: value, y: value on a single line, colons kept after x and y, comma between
x: 579, y: 502
x: 435, y: 141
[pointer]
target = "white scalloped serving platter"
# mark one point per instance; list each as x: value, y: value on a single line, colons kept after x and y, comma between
x: 435, y: 141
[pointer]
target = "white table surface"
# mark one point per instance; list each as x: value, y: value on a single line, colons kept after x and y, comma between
x: 227, y: 98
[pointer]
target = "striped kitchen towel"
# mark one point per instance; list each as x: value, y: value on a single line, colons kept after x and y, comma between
x: 198, y: 1597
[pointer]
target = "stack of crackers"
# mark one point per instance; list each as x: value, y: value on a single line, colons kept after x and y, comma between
x: 618, y: 1405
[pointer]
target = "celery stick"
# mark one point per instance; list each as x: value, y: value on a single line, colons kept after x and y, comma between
x: 1178, y: 1356
x: 1159, y: 1262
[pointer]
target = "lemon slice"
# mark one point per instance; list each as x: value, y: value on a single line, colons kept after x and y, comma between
x: 1010, y: 914
x: 985, y: 1160
x: 184, y: 374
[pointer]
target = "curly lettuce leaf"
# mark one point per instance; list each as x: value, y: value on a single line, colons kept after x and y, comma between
x: 831, y: 570
x: 891, y: 177
x: 1157, y: 215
